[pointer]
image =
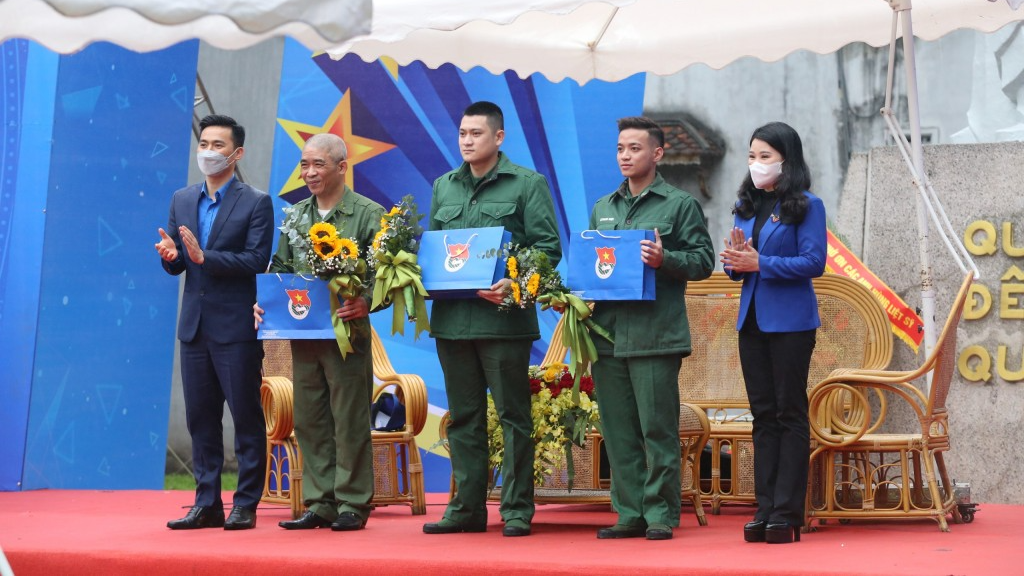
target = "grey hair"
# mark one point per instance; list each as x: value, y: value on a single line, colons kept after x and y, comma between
x: 330, y: 143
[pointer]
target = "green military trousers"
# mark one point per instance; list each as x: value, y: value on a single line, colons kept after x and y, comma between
x: 332, y: 424
x: 639, y: 402
x: 470, y: 368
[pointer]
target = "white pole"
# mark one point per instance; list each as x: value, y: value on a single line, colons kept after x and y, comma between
x: 917, y: 148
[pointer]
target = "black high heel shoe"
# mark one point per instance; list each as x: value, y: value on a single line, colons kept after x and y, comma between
x: 754, y: 531
x: 781, y: 533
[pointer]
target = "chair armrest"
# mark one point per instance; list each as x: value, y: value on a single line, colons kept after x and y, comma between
x: 276, y: 397
x: 410, y: 388
x: 840, y: 410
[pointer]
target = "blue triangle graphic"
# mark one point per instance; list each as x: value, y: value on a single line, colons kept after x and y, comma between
x: 104, y: 467
x: 108, y: 239
x: 127, y: 305
x: 174, y: 78
x: 122, y: 102
x: 109, y: 396
x: 153, y: 439
x: 81, y: 103
x: 152, y: 312
x: 181, y: 98
x: 158, y: 148
x: 64, y: 448
x: 161, y: 177
x: 131, y: 284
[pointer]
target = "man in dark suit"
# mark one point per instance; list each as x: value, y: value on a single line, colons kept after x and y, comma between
x: 220, y: 233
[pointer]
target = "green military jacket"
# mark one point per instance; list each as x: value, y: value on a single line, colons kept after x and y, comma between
x: 651, y: 328
x: 355, y: 216
x: 511, y: 196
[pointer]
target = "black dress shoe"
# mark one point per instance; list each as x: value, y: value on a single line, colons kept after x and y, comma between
x: 659, y: 532
x: 781, y: 533
x: 348, y: 521
x: 516, y: 527
x: 199, y: 517
x: 446, y: 526
x: 754, y: 531
x: 307, y: 521
x: 622, y: 531
x: 240, y: 519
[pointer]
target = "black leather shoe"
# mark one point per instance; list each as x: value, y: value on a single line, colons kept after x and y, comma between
x: 516, y: 527
x: 307, y: 521
x: 781, y: 533
x: 622, y: 531
x: 240, y: 519
x: 348, y: 521
x: 199, y: 517
x: 659, y: 532
x: 446, y: 526
x: 754, y: 531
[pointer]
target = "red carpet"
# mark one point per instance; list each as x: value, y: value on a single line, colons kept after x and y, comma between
x: 123, y: 532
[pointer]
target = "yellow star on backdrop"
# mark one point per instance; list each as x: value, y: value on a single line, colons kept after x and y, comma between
x: 360, y: 149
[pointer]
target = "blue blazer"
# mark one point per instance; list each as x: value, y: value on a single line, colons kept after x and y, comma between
x: 790, y: 256
x: 222, y: 291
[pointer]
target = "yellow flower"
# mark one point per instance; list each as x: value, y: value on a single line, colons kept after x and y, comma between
x: 376, y: 239
x: 395, y: 210
x: 533, y: 284
x: 322, y: 231
x: 552, y: 372
x: 516, y: 295
x: 327, y: 250
x: 348, y: 248
x: 513, y: 269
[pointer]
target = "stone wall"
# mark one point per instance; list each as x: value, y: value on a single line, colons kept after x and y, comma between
x: 981, y: 188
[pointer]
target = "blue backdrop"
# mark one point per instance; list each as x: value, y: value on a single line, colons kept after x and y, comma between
x: 100, y: 141
x: 401, y: 126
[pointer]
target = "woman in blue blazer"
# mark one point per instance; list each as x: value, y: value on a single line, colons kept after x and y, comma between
x: 777, y: 246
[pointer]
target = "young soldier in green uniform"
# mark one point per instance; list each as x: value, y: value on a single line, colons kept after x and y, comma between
x: 332, y: 394
x: 480, y: 346
x: 636, y: 378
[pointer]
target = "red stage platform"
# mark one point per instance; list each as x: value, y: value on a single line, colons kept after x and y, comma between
x: 123, y: 532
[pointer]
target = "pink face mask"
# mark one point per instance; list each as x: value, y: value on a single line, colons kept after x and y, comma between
x: 765, y: 175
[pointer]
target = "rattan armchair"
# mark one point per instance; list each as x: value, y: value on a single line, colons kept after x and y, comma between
x: 871, y: 473
x: 397, y: 463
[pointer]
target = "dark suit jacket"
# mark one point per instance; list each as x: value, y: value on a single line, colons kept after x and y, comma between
x: 222, y: 290
x: 790, y: 256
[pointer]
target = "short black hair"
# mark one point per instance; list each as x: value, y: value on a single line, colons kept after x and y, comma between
x: 644, y: 123
x: 237, y: 132
x: 490, y: 110
x: 792, y: 183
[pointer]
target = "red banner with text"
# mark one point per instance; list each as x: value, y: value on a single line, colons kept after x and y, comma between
x: 906, y: 324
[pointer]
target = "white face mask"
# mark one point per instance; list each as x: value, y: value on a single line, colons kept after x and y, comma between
x: 765, y: 175
x: 211, y: 162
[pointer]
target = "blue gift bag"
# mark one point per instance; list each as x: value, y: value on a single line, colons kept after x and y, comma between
x: 606, y: 265
x: 457, y: 263
x: 295, y: 307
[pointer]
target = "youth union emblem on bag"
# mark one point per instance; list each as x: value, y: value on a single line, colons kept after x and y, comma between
x: 605, y: 264
x: 458, y: 254
x: 298, y: 303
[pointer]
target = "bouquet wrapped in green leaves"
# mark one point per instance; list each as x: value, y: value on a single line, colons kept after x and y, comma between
x: 336, y: 260
x: 398, y: 276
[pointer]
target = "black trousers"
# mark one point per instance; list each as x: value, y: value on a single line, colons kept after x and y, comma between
x: 775, y: 367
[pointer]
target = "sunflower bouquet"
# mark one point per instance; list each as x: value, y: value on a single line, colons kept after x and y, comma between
x: 531, y: 274
x: 398, y: 276
x: 335, y: 259
x: 560, y: 420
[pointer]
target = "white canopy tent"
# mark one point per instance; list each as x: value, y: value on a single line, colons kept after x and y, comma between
x: 66, y: 26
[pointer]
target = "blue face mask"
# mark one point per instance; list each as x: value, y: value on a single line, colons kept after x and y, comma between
x: 211, y: 162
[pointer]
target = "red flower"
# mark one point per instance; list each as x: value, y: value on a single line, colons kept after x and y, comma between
x: 555, y: 390
x: 587, y: 385
x: 566, y: 379
x: 536, y: 386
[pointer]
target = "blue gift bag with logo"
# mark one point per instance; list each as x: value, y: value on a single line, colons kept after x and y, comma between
x: 606, y: 265
x: 295, y: 307
x: 457, y: 263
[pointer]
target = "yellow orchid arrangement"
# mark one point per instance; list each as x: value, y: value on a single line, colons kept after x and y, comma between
x: 561, y: 419
x: 336, y: 259
x: 531, y: 274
